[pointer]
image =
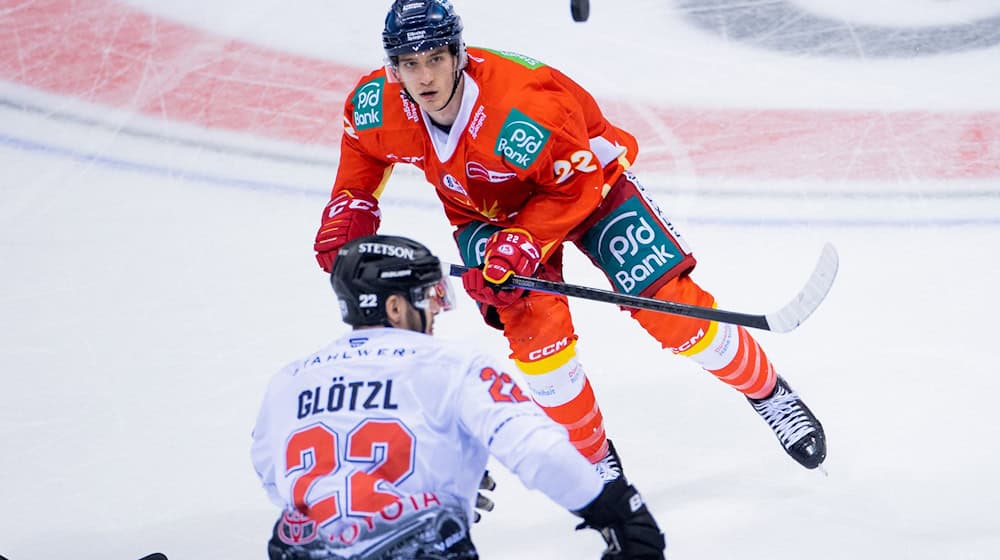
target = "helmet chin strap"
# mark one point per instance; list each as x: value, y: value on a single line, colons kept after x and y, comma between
x: 423, y: 319
x: 454, y: 88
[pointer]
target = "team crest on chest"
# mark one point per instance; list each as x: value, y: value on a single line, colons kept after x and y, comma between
x: 453, y: 184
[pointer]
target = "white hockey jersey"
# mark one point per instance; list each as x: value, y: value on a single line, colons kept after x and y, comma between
x: 389, y: 419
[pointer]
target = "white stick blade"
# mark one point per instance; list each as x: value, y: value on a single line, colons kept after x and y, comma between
x: 808, y: 299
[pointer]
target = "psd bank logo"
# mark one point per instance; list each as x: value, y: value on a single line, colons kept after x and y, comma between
x: 472, y: 242
x: 367, y: 103
x: 630, y: 249
x: 521, y: 139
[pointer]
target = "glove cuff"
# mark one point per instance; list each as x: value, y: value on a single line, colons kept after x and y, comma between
x: 616, y: 502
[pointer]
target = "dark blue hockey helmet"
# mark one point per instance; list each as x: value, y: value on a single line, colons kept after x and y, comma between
x: 413, y: 26
x: 371, y: 268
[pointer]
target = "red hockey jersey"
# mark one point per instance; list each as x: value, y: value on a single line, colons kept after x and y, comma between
x: 530, y: 148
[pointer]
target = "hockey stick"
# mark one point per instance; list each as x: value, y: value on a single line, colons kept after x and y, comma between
x: 783, y: 320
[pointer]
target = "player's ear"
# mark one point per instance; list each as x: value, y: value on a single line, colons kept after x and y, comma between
x: 395, y: 310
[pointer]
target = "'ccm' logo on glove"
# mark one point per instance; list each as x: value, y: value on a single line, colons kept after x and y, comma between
x: 341, y: 203
x: 345, y: 217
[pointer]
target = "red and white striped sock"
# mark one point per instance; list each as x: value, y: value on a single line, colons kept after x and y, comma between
x: 731, y: 354
x: 559, y: 385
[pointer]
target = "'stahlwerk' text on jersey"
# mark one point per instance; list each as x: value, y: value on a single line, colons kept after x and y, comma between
x: 384, y: 416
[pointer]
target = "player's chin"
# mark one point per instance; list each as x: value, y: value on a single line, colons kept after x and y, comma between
x: 426, y: 100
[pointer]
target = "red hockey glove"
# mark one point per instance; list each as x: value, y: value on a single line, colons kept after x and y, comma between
x: 508, y: 252
x: 345, y: 217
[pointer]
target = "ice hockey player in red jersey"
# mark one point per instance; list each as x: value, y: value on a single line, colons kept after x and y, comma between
x: 524, y: 161
x: 374, y: 445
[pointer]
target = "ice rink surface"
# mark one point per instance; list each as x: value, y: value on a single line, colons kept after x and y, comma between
x: 163, y: 171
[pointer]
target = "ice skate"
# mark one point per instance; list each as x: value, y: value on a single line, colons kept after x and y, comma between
x: 798, y: 430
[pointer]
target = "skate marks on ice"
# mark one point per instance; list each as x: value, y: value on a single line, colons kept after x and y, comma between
x: 787, y: 26
x: 808, y: 299
x: 786, y: 319
x: 63, y: 115
x: 110, y: 54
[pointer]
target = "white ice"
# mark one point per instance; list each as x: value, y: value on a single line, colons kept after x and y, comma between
x: 149, y: 289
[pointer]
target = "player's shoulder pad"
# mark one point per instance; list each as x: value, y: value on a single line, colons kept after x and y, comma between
x: 526, y: 94
x: 453, y: 352
x: 454, y: 358
x: 377, y: 103
x: 504, y: 59
x: 283, y: 378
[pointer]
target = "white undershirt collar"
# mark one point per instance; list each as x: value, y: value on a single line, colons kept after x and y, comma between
x: 446, y: 142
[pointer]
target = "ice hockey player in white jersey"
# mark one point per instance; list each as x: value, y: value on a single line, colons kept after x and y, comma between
x: 374, y: 446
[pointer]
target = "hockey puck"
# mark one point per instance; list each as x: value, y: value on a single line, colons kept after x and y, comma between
x: 580, y: 9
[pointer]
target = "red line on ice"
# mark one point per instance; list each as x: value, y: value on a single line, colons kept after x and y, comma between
x: 109, y: 53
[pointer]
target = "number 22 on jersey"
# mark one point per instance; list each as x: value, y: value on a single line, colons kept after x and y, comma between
x: 313, y: 452
x: 580, y: 160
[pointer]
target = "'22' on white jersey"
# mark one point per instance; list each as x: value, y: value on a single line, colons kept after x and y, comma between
x: 384, y: 414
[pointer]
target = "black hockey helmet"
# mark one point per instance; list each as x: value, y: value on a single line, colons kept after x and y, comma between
x: 413, y: 26
x: 371, y: 268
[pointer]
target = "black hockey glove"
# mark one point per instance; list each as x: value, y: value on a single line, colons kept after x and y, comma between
x: 621, y: 516
x: 482, y: 502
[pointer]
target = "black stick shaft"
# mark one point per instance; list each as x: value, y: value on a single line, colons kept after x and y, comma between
x: 636, y: 302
